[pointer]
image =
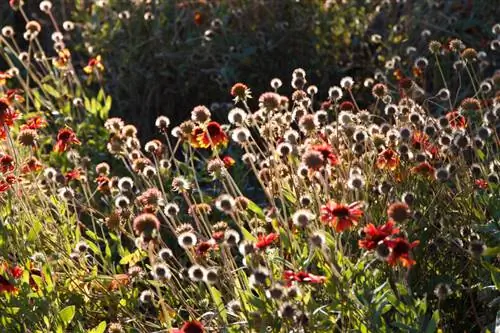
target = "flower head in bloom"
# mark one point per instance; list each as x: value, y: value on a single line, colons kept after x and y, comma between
x: 240, y: 92
x: 424, y: 169
x: 190, y: 327
x: 263, y: 241
x: 400, y: 251
x: 7, y: 113
x: 341, y: 216
x: 94, y: 64
x: 34, y: 123
x: 375, y: 234
x: 327, y: 152
x: 65, y: 138
x: 31, y: 165
x: 74, y: 174
x: 6, y: 163
x: 291, y: 276
x: 456, y: 120
x: 388, y: 159
x: 211, y: 137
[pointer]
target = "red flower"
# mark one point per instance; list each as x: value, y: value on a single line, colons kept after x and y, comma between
x: 481, y: 183
x: 302, y: 276
x: 203, y: 247
x: 6, y: 275
x: 102, y: 183
x: 240, y: 91
x: 375, y: 234
x: 65, y: 138
x: 74, y: 174
x: 212, y: 137
x: 34, y: 123
x: 4, y: 186
x: 400, y: 251
x: 190, y: 327
x: 420, y: 141
x: 346, y: 106
x: 32, y: 165
x: 388, y: 159
x: 424, y: 169
x: 228, y: 161
x: 6, y: 163
x: 7, y: 113
x: 327, y: 153
x: 264, y: 241
x: 341, y: 216
x: 456, y: 120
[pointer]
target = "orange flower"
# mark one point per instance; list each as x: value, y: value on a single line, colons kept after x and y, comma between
x: 388, y: 159
x: 420, y: 141
x: 32, y: 165
x: 65, y: 138
x: 198, y: 18
x: 74, y: 174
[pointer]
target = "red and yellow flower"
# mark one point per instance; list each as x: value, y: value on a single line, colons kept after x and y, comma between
x: 211, y: 136
x: 341, y: 216
x: 388, y: 159
x: 65, y: 138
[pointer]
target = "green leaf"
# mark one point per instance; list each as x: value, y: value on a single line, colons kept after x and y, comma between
x: 67, y: 314
x: 51, y: 90
x: 432, y: 325
x: 216, y: 296
x: 103, y: 114
x: 247, y: 235
x: 99, y: 328
x: 256, y: 209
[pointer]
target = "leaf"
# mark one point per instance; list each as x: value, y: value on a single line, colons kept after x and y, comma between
x: 432, y: 325
x: 99, y: 328
x: 103, y: 114
x: 51, y: 90
x: 256, y: 209
x: 216, y: 296
x: 247, y: 235
x: 67, y: 314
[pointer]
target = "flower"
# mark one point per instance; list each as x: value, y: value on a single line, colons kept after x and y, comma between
x: 240, y: 92
x: 327, y: 152
x: 398, y: 211
x: 6, y: 163
x: 388, y: 159
x: 302, y: 276
x: 94, y: 64
x: 211, y: 137
x: 375, y: 234
x: 424, y: 169
x: 190, y: 327
x: 400, y: 251
x: 65, y: 138
x: 264, y: 241
x: 456, y: 120
x: 228, y: 161
x: 74, y: 174
x: 7, y: 113
x: 146, y: 223
x: 341, y: 216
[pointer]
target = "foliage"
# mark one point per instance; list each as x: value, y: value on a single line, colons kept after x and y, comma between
x: 370, y: 206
